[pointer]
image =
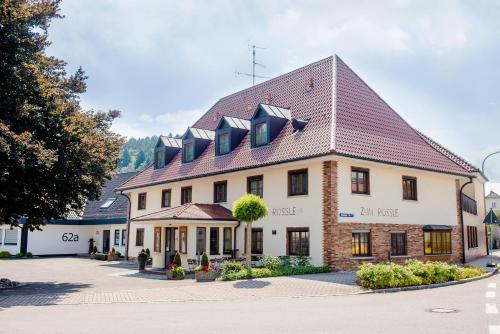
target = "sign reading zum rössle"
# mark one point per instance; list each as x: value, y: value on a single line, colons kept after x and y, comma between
x: 380, y: 212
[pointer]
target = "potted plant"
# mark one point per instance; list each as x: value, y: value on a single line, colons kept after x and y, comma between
x: 112, y: 255
x: 175, y: 270
x: 142, y: 257
x: 205, y: 272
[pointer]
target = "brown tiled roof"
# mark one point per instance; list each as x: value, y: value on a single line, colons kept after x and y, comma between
x: 346, y: 117
x: 191, y: 211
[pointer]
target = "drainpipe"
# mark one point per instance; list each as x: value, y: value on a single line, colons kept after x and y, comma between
x: 234, y: 238
x: 127, y: 224
x: 462, y: 219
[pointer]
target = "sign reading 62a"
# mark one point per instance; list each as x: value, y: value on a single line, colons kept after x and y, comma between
x: 69, y: 237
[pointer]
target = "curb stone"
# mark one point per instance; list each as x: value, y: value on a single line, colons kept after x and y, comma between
x: 431, y: 286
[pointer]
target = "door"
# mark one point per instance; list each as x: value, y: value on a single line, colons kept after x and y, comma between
x: 105, y: 241
x: 169, y: 245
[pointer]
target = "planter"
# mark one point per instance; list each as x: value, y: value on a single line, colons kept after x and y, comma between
x: 202, y: 276
x: 112, y: 257
x: 141, y: 260
x: 170, y: 275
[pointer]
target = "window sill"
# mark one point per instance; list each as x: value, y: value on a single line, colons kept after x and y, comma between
x: 361, y: 194
x: 410, y: 200
x: 363, y: 258
x: 298, y: 195
x: 400, y: 256
x: 436, y: 255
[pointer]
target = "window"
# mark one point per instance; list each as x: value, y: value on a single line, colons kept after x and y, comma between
x: 409, y: 188
x: 228, y: 240
x: 437, y: 242
x: 298, y: 241
x: 255, y: 185
x: 297, y: 182
x: 108, y: 203
x: 257, y: 242
x: 260, y: 134
x: 160, y: 158
x: 183, y: 239
x: 166, y: 196
x: 214, y: 241
x: 398, y: 243
x: 220, y: 192
x: 124, y: 237
x: 186, y: 195
x: 201, y: 240
x: 10, y: 237
x: 472, y: 237
x: 139, y: 237
x: 157, y: 240
x: 188, y: 152
x: 360, y: 181
x: 224, y: 143
x: 469, y: 205
x: 141, y: 202
x: 117, y: 238
x: 360, y: 244
x: 493, y: 205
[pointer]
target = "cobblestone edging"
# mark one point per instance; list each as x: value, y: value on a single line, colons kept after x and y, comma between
x: 432, y: 286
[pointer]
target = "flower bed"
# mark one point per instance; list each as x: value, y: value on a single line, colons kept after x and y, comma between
x: 412, y: 273
x: 274, y: 267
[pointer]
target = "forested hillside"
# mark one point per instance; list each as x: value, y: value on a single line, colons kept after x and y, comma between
x: 137, y: 154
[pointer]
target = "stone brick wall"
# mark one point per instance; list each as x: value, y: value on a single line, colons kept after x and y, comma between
x: 338, y: 236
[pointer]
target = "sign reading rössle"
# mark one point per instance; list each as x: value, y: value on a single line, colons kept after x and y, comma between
x: 69, y: 237
x: 380, y: 212
x: 291, y: 211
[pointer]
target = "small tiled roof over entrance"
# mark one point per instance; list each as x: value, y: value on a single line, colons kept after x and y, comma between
x: 190, y: 211
x: 345, y: 117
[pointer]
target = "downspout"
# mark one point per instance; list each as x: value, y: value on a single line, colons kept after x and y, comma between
x: 127, y: 224
x: 462, y: 219
x: 234, y: 238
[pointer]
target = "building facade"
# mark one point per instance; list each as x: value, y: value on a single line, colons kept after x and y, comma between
x: 103, y: 221
x: 345, y: 178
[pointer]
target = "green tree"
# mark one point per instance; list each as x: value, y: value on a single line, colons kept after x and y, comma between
x: 53, y: 155
x: 125, y: 160
x: 248, y: 209
x: 139, y: 160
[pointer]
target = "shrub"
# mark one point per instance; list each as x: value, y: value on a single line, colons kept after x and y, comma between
x: 29, y: 254
x: 178, y: 272
x: 177, y: 260
x: 247, y: 273
x: 20, y: 254
x: 286, y: 261
x: 204, y: 260
x: 413, y: 272
x: 232, y: 266
x: 271, y: 262
x: 5, y: 254
x: 302, y: 261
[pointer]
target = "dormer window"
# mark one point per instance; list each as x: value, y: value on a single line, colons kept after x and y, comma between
x: 108, y: 203
x: 223, y: 139
x: 260, y: 134
x: 194, y: 142
x: 229, y: 133
x: 188, y: 152
x: 267, y: 122
x: 165, y: 150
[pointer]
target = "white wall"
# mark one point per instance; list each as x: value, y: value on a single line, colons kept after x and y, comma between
x: 13, y: 249
x: 436, y: 196
x: 60, y: 239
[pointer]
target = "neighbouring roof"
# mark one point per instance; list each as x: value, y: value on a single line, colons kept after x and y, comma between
x: 117, y: 209
x: 492, y: 194
x: 171, y: 142
x: 237, y: 123
x: 190, y: 211
x: 346, y: 117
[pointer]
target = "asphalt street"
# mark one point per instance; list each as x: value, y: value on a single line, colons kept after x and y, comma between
x: 472, y: 307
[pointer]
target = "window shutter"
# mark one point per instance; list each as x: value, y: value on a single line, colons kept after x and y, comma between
x: 11, y: 237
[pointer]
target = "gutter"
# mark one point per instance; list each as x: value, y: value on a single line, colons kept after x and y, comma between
x: 127, y: 224
x: 462, y: 219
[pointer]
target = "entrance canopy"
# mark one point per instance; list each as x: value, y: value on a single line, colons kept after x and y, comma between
x: 190, y: 211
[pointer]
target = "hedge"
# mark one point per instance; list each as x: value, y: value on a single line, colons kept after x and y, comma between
x: 413, y: 272
x: 233, y: 275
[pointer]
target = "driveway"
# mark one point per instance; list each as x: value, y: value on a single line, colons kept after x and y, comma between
x: 74, y: 281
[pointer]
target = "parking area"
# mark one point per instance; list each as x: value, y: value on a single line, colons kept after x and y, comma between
x: 73, y: 280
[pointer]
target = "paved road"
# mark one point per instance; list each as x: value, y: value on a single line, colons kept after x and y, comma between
x: 403, y: 312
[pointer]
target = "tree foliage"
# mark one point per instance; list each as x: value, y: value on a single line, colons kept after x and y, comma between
x: 125, y: 160
x: 249, y: 208
x: 53, y: 155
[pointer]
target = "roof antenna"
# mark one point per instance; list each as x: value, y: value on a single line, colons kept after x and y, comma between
x: 253, y: 75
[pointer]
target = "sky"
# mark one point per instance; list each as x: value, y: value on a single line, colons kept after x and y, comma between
x: 164, y: 63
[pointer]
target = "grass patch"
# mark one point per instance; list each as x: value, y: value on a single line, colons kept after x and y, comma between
x: 413, y: 272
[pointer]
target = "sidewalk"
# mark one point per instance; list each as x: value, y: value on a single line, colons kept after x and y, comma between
x: 482, y: 261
